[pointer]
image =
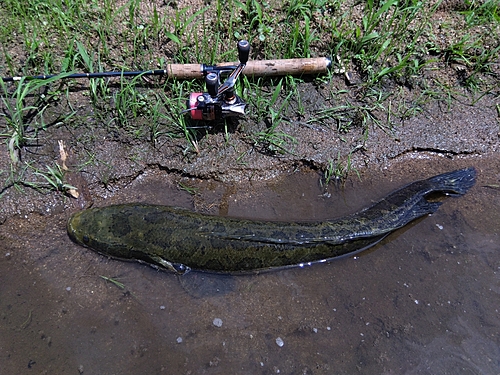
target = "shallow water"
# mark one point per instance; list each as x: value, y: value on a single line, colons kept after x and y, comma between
x: 424, y: 301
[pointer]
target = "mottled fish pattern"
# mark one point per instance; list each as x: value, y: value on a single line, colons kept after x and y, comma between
x: 179, y: 240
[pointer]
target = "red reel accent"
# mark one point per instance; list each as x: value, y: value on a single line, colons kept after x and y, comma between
x: 196, y: 114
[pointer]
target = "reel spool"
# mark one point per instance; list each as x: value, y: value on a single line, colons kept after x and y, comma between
x: 220, y: 101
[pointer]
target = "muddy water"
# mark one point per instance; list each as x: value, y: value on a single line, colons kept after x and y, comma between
x: 425, y: 301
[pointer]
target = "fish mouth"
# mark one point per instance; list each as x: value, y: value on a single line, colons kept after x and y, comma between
x: 72, y: 228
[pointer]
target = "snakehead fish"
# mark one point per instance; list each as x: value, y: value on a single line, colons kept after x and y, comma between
x: 180, y: 240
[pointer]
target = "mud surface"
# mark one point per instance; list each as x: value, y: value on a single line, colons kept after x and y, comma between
x: 425, y: 301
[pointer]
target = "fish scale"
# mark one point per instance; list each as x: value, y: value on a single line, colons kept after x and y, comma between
x: 180, y: 240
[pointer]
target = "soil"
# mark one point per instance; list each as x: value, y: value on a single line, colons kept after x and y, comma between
x: 424, y: 301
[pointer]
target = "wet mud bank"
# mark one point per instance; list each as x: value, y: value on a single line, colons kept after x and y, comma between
x: 423, y: 301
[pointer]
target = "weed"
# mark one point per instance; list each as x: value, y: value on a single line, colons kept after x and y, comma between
x: 259, y: 19
x: 185, y: 35
x: 28, y: 320
x: 54, y: 178
x: 129, y: 102
x: 98, y: 86
x: 485, y: 13
x: 300, y: 40
x: 19, y: 114
x: 156, y: 128
x: 305, y: 8
x: 349, y: 115
x: 118, y: 284
x: 272, y: 140
x: 191, y: 190
x: 14, y: 178
x: 171, y: 113
x: 113, y: 281
x: 386, y: 41
x: 337, y: 171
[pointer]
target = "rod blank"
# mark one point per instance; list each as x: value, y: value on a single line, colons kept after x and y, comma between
x: 257, y: 68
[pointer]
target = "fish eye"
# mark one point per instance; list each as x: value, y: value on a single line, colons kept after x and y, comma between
x: 85, y: 239
x: 181, y: 268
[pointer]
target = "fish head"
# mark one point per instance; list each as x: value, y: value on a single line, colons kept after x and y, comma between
x: 90, y: 228
x: 108, y: 232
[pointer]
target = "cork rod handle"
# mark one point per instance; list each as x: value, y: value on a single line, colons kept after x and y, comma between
x: 258, y: 68
x: 263, y: 68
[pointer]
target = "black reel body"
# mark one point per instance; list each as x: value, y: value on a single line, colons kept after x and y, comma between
x: 220, y: 101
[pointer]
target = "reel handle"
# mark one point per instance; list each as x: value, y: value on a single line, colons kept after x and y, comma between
x: 243, y: 51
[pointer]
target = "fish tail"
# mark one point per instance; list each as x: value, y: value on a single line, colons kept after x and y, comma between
x: 424, y: 207
x: 457, y: 182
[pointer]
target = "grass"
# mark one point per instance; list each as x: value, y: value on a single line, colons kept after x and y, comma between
x: 53, y: 180
x: 395, y: 48
x: 113, y: 281
x: 337, y: 170
x: 22, y: 120
x: 272, y: 140
x: 189, y: 189
x: 90, y: 62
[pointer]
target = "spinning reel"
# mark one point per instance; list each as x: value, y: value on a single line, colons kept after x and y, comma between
x: 220, y: 101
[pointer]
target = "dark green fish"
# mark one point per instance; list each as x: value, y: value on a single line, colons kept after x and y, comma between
x: 180, y: 240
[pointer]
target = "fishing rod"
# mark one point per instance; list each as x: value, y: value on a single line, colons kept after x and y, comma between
x: 258, y: 68
x: 220, y: 100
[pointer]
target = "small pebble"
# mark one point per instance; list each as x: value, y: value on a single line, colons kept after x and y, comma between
x: 162, y: 307
x: 279, y: 342
x: 217, y: 322
x: 179, y: 340
x: 68, y: 288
